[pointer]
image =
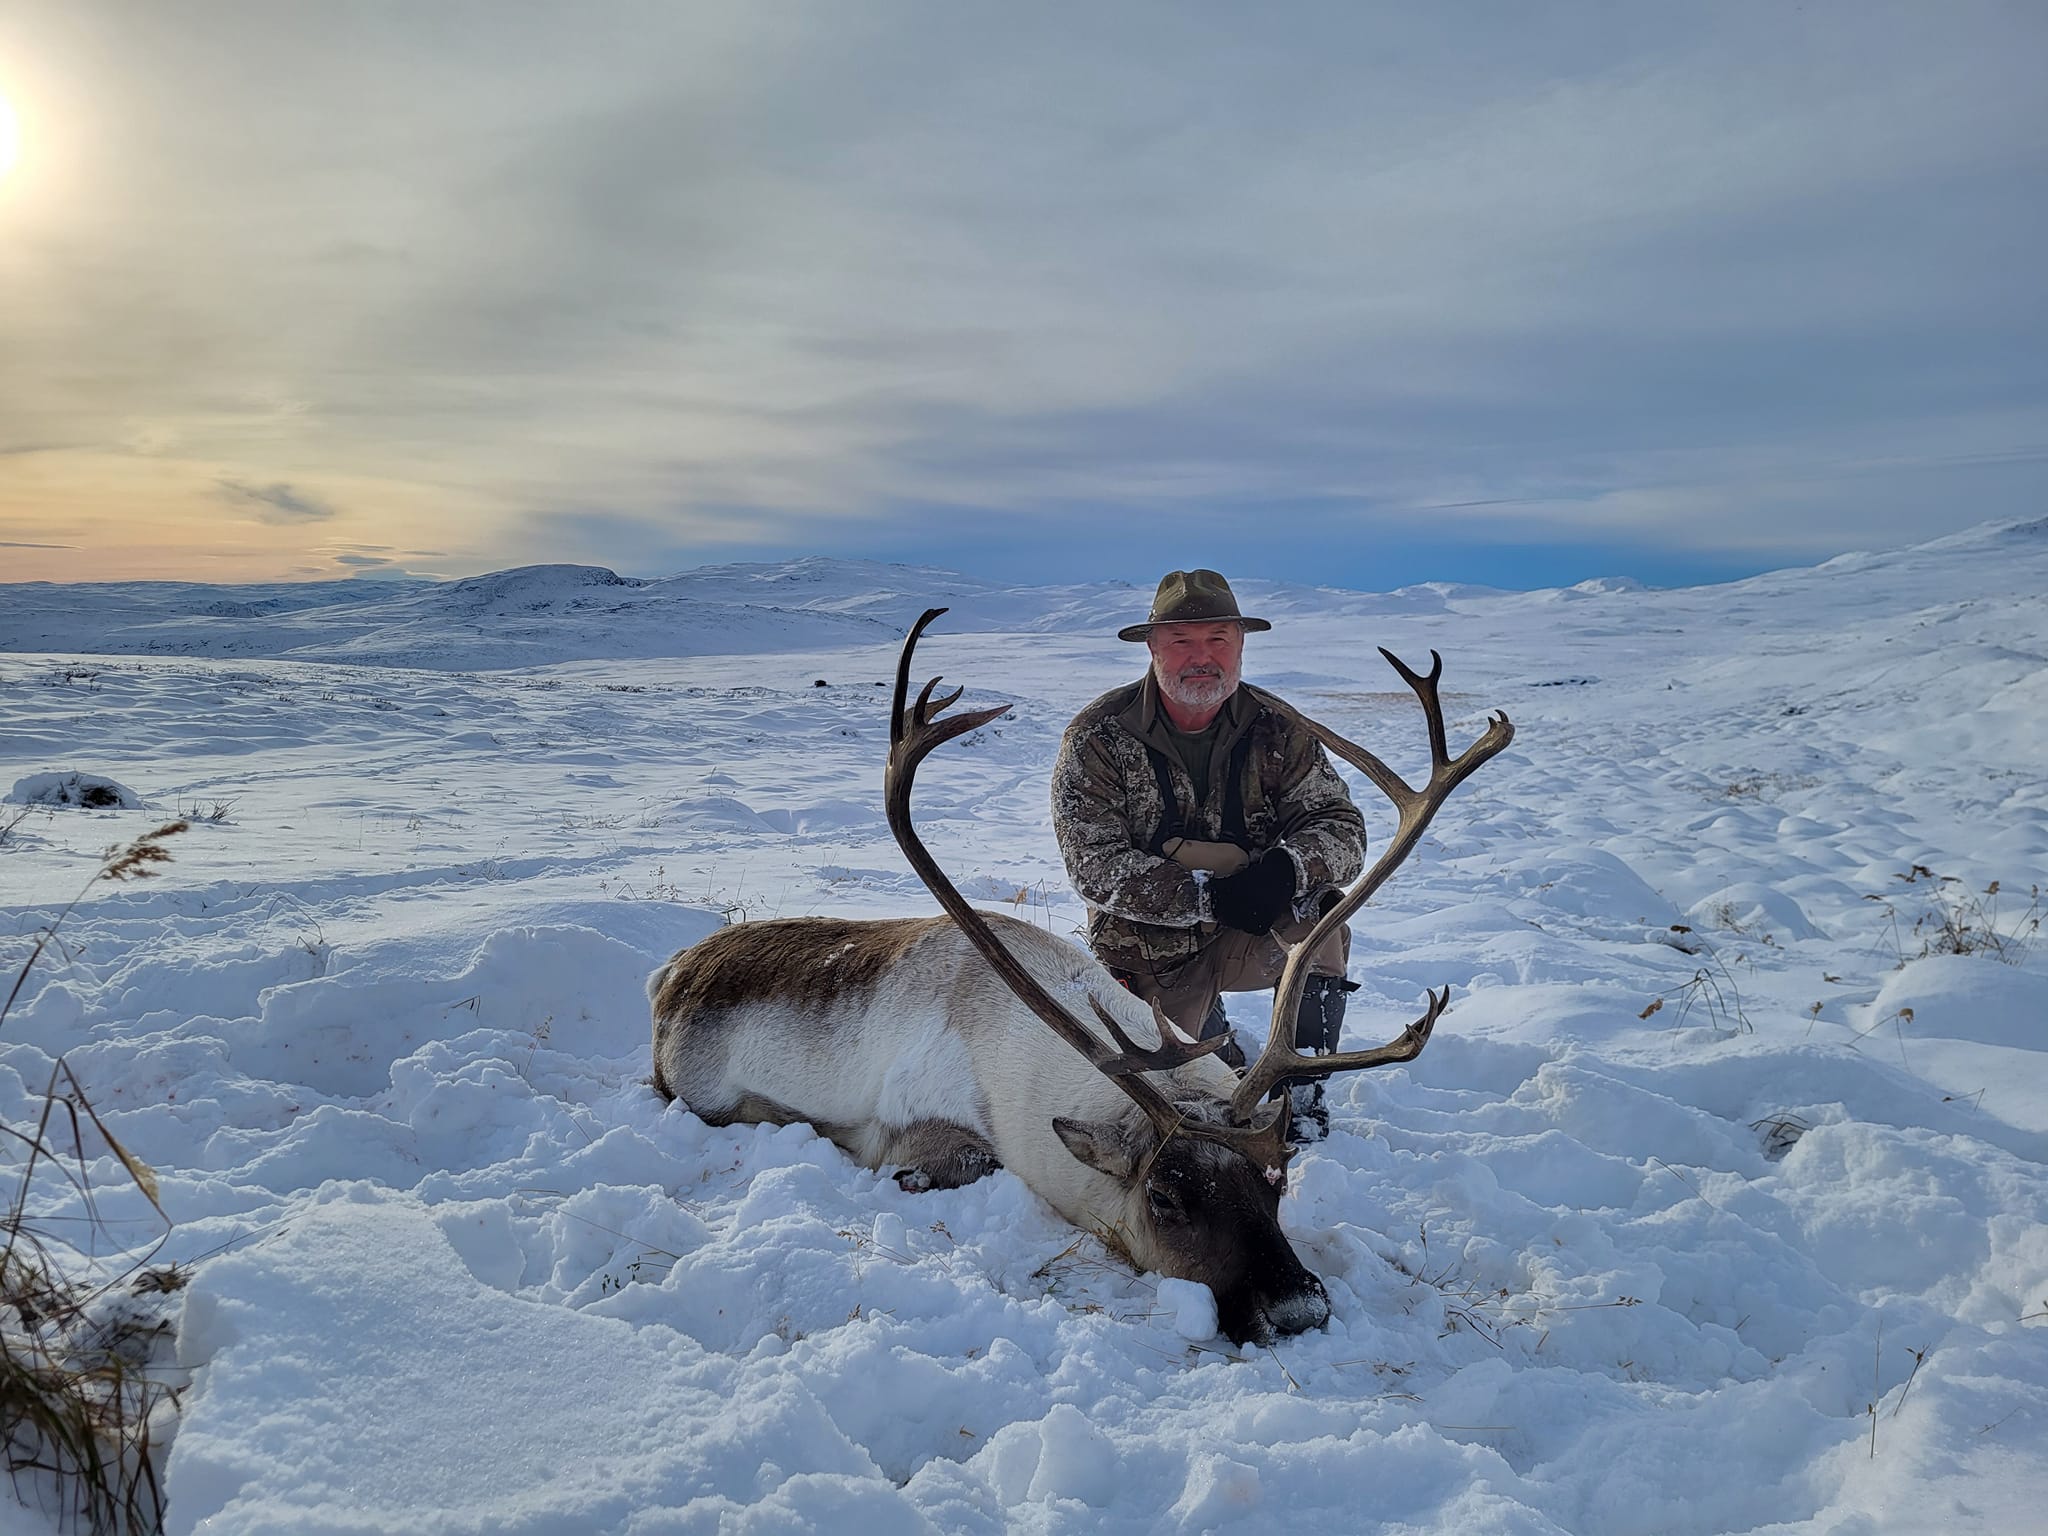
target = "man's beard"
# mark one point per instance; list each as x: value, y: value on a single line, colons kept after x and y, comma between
x: 1201, y: 690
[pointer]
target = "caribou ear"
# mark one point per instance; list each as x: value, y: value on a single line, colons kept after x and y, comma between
x: 1104, y: 1145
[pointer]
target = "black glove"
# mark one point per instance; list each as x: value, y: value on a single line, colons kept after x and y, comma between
x: 1257, y: 896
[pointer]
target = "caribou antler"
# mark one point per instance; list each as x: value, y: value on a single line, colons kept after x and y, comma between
x: 913, y: 733
x: 1280, y: 1060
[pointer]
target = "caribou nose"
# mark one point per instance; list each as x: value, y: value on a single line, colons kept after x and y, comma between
x: 1300, y: 1310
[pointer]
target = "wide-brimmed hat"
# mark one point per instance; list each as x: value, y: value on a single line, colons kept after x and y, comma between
x: 1191, y: 597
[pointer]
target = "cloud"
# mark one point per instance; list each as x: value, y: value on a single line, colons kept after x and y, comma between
x: 149, y: 439
x: 397, y: 573
x: 275, y: 503
x: 17, y: 544
x: 747, y: 277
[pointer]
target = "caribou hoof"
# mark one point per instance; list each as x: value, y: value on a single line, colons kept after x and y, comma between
x: 913, y: 1181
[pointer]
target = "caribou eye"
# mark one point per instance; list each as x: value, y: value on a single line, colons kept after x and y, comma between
x: 1163, y: 1206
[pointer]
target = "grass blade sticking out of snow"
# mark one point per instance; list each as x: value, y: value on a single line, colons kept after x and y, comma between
x: 80, y: 1405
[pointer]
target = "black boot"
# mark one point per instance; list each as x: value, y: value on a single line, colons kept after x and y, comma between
x: 1319, y: 1021
x: 1318, y: 1024
x: 1218, y: 1023
x: 1308, y: 1116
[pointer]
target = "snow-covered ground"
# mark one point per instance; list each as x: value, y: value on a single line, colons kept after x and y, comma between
x: 1771, y: 1257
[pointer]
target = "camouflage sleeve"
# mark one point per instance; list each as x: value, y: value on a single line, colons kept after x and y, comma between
x: 1319, y: 825
x: 1103, y: 855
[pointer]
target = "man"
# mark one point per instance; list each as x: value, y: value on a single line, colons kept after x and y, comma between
x: 1203, y: 825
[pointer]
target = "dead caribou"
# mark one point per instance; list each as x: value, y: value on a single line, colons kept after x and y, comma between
x: 951, y: 1046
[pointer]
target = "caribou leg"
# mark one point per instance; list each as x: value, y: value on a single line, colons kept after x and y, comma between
x: 937, y: 1154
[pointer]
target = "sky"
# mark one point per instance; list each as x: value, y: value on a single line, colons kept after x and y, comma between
x: 1356, y: 294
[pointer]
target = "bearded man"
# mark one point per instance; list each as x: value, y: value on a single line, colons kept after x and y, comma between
x: 1203, y: 825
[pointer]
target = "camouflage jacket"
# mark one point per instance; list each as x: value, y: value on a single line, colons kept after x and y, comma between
x: 1107, y: 814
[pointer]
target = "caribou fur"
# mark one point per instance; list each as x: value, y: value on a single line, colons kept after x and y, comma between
x: 897, y: 1040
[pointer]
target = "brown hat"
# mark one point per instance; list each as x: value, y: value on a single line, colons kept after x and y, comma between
x: 1191, y: 597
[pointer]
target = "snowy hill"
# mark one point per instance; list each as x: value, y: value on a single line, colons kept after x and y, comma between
x: 545, y: 614
x: 1717, y: 1204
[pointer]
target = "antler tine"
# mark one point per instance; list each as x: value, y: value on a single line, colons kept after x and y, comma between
x: 1174, y: 1049
x: 914, y: 732
x: 910, y: 640
x: 1293, y: 1066
x: 1290, y: 1065
x: 1263, y: 1140
x: 1404, y: 1047
x: 927, y: 710
x: 911, y: 737
x: 1415, y: 808
x: 1425, y: 689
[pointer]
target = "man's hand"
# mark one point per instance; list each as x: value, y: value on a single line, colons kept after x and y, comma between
x: 1221, y: 860
x: 1254, y: 900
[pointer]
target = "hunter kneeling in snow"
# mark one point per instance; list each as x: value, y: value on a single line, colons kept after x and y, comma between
x: 1203, y: 825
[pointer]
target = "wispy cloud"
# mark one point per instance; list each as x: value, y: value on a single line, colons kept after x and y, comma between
x: 278, y: 503
x: 757, y: 277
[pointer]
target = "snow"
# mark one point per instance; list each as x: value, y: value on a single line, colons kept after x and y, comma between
x: 1595, y: 1267
x: 80, y: 789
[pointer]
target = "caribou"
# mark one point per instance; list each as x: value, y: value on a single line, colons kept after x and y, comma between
x: 947, y: 1047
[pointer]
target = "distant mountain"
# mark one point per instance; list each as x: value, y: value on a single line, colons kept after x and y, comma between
x: 536, y: 615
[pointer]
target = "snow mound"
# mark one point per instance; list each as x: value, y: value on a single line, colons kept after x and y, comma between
x: 1751, y: 908
x: 86, y: 791
x: 1970, y: 997
x: 715, y: 813
x: 528, y: 589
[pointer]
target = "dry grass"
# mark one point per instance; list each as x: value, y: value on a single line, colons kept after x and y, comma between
x: 1711, y: 987
x: 13, y: 817
x: 1956, y: 920
x: 85, y: 1397
x: 86, y: 1393
x: 1490, y: 1310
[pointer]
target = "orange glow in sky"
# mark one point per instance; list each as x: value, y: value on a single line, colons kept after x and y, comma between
x: 1387, y: 295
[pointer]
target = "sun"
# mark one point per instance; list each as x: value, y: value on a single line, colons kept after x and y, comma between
x: 10, y: 136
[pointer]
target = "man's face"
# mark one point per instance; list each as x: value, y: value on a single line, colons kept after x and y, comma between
x: 1197, y: 664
